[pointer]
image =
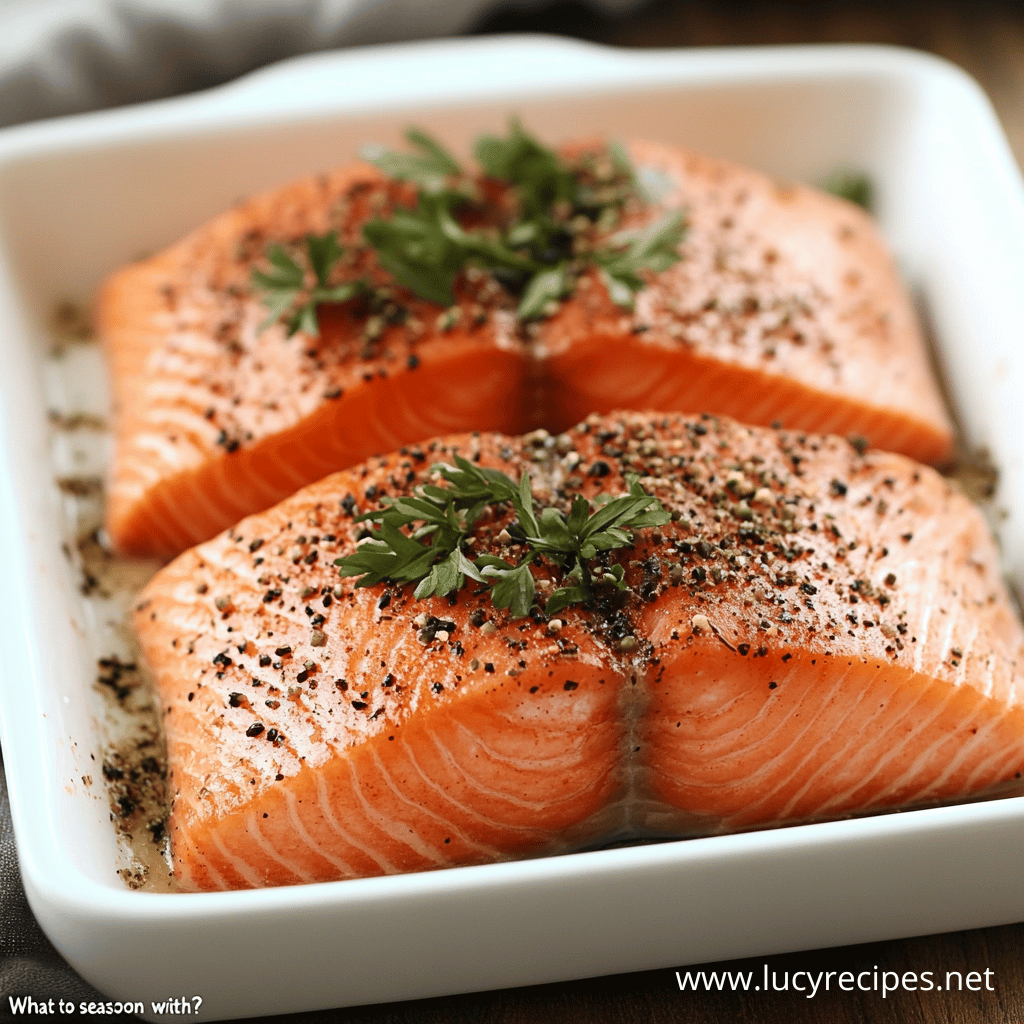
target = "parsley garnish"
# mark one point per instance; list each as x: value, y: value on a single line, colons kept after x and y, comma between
x: 538, y: 254
x: 560, y: 226
x: 440, y: 520
x: 627, y: 253
x: 289, y: 297
x: 425, y: 248
x: 430, y: 168
x: 541, y: 179
x: 852, y: 186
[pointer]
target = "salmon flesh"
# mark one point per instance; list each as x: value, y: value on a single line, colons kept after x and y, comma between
x: 785, y: 306
x: 817, y: 632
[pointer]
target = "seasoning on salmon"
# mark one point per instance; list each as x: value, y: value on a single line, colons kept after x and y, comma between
x: 815, y: 632
x: 782, y: 304
x: 785, y: 307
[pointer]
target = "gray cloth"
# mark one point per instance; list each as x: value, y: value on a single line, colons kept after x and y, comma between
x: 29, y: 965
x: 68, y: 56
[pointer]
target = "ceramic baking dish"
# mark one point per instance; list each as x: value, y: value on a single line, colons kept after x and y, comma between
x: 82, y: 195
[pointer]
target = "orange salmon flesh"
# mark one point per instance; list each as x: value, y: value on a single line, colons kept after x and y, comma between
x: 817, y: 632
x: 785, y: 306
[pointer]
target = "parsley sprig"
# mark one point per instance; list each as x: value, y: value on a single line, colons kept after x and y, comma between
x: 289, y: 295
x: 424, y: 248
x: 424, y: 538
x: 430, y: 166
x: 627, y: 253
x: 853, y: 186
x: 537, y: 254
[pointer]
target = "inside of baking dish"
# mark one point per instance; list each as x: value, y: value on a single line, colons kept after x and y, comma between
x: 70, y: 217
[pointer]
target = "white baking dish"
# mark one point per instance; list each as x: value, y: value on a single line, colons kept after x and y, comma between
x: 80, y: 196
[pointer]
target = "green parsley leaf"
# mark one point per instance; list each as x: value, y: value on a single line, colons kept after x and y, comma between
x: 429, y: 168
x: 447, y: 515
x: 513, y: 590
x: 447, y: 575
x: 412, y: 246
x: 286, y: 273
x: 561, y: 598
x: 537, y: 173
x: 535, y: 254
x: 286, y: 295
x: 620, y: 160
x: 324, y: 252
x: 424, y: 248
x: 545, y: 286
x: 854, y: 187
x: 626, y: 254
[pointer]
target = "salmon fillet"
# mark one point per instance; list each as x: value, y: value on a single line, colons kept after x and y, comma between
x: 816, y: 632
x: 216, y: 418
x: 785, y: 306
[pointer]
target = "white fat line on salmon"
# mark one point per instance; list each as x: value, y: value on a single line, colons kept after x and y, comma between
x: 247, y: 491
x: 919, y: 725
x: 977, y: 741
x: 300, y: 830
x: 187, y: 881
x: 700, y: 774
x: 324, y: 802
x: 447, y: 824
x: 286, y: 470
x: 1003, y: 769
x: 928, y: 645
x: 534, y: 714
x: 966, y: 645
x: 395, y: 829
x: 832, y: 767
x: 468, y: 811
x: 763, y: 738
x: 253, y: 828
x: 419, y: 419
x: 460, y: 771
x: 203, y: 508
x: 891, y: 726
x: 332, y: 450
x: 566, y: 758
x: 815, y: 721
x: 878, y: 723
x: 762, y: 412
x: 233, y: 860
x: 991, y: 666
x: 223, y: 493
x: 162, y: 521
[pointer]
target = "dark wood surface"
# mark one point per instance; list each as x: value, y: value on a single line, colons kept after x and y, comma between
x: 654, y: 997
x: 987, y: 39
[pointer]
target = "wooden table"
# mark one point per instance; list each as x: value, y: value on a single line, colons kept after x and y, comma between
x: 987, y: 40
x: 653, y: 997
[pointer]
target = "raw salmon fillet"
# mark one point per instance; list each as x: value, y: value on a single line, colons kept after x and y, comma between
x: 216, y: 418
x: 784, y: 307
x: 816, y: 632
